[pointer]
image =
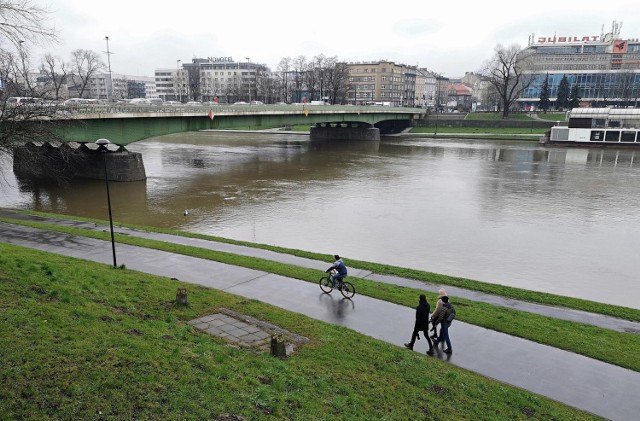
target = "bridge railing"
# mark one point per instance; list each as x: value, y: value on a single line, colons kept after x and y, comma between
x: 66, y: 110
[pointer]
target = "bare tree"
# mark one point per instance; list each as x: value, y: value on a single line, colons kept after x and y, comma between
x: 21, y: 23
x: 505, y: 72
x: 283, y: 71
x: 299, y: 69
x: 311, y: 80
x: 337, y: 77
x: 24, y: 21
x: 84, y: 65
x: 55, y: 71
x: 194, y: 83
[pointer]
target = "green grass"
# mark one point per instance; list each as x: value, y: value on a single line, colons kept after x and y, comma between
x: 497, y: 116
x: 81, y: 340
x: 551, y: 115
x: 442, y: 128
x: 609, y: 346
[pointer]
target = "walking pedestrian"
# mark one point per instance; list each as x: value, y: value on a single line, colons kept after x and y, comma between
x: 436, y: 313
x: 421, y: 324
x: 445, y: 319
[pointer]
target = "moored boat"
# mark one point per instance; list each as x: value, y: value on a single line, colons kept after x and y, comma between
x: 598, y: 127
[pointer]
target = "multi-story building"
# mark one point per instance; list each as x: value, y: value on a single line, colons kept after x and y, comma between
x: 441, y: 92
x: 382, y: 82
x: 166, y: 87
x: 209, y: 79
x: 605, y: 68
x: 459, y: 97
x: 119, y: 86
x: 425, y: 88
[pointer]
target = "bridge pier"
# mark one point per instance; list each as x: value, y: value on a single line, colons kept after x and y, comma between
x: 344, y: 131
x: 48, y: 161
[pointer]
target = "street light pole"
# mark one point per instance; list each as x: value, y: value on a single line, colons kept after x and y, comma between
x: 110, y: 87
x: 102, y: 146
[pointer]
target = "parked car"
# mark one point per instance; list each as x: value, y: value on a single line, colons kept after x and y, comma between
x: 173, y: 103
x: 208, y: 103
x: 139, y: 101
x: 194, y: 103
x: 257, y: 103
x: 76, y: 101
x: 156, y: 101
x: 20, y: 100
x: 240, y: 103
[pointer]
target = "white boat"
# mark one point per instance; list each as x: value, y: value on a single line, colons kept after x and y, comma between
x: 598, y: 127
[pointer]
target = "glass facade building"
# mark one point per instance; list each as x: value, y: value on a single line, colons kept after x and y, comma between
x: 605, y: 68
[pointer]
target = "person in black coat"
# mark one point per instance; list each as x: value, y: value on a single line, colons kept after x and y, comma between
x: 422, y: 324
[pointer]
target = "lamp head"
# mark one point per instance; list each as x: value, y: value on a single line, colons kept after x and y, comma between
x: 102, y: 144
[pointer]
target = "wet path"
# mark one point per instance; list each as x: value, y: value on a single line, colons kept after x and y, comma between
x: 599, y: 320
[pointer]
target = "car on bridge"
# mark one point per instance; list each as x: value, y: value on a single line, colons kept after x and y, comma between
x: 139, y: 101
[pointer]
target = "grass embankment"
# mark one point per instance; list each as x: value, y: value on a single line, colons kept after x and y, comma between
x: 81, y: 340
x: 522, y: 116
x: 494, y: 133
x: 442, y: 128
x: 609, y: 346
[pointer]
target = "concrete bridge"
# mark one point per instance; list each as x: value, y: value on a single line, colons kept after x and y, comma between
x: 123, y: 125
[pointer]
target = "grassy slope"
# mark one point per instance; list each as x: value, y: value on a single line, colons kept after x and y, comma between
x: 603, y: 344
x: 81, y: 340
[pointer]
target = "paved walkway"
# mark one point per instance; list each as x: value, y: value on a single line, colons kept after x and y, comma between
x: 591, y: 385
x: 599, y: 320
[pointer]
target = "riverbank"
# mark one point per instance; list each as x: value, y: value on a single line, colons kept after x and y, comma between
x: 615, y: 347
x: 83, y: 340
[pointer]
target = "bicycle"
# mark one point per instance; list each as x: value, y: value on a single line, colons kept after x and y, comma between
x: 328, y: 284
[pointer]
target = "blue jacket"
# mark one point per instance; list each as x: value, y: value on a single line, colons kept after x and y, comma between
x: 339, y: 266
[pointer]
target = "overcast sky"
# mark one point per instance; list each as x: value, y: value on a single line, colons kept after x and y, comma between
x: 449, y: 37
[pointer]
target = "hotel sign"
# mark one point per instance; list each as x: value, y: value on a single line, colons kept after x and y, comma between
x: 562, y: 40
x: 221, y: 59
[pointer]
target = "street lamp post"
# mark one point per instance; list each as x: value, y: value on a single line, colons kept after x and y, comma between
x: 102, y: 146
x: 249, y: 74
x: 110, y: 87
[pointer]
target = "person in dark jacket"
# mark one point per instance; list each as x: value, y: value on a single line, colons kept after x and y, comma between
x: 421, y: 324
x: 340, y: 267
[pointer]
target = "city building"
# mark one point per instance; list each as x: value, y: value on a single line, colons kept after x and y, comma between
x: 459, y: 97
x: 210, y: 79
x: 383, y: 82
x: 425, y: 88
x: 605, y: 68
x: 119, y: 86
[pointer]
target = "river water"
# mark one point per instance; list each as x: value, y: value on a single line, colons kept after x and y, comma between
x: 559, y: 220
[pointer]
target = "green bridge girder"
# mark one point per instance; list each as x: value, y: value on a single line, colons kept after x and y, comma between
x: 123, y: 128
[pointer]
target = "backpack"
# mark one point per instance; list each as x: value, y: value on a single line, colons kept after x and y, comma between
x: 451, y: 314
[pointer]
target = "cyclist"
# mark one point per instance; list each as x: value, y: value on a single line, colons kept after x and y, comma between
x: 338, y: 265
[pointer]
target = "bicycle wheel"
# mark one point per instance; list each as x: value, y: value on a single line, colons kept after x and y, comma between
x: 326, y: 284
x: 348, y: 290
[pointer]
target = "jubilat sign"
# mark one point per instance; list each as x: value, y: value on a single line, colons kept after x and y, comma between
x: 560, y: 40
x: 221, y: 59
